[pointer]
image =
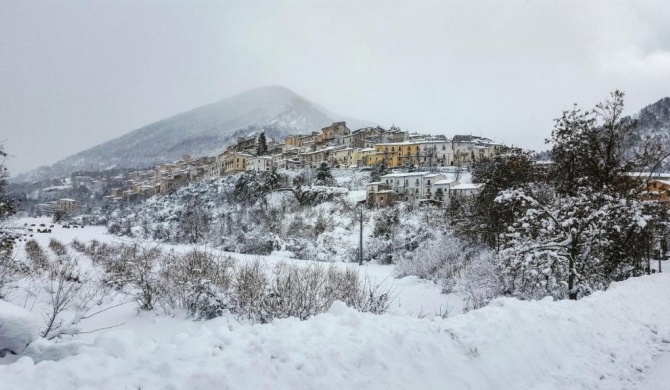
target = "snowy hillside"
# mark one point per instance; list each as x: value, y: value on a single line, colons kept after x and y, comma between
x: 202, y: 131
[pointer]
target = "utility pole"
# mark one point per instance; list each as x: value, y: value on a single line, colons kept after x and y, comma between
x: 360, y: 243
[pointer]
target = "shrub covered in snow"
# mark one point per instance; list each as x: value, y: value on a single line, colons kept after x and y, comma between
x: 207, y: 285
x: 36, y: 255
x: 57, y: 247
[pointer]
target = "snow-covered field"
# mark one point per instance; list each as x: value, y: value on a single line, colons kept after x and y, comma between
x: 618, y: 339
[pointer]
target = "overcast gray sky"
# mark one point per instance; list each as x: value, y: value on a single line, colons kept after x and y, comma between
x: 74, y: 74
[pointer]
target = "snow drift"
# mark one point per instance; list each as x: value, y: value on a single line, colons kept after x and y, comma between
x: 606, y: 341
x: 18, y: 328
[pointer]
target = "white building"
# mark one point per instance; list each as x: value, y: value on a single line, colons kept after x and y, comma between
x: 429, y: 183
x: 435, y: 153
x: 412, y: 185
x: 441, y: 189
x: 259, y: 163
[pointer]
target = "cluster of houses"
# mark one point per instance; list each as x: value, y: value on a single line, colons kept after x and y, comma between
x: 335, y: 145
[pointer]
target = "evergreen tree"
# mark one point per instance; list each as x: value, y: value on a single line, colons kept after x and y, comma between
x: 323, y: 175
x: 262, y: 148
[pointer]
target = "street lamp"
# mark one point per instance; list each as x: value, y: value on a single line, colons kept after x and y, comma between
x: 360, y: 238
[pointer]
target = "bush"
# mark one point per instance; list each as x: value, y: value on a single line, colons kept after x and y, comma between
x: 78, y: 246
x: 479, y: 282
x: 135, y: 266
x: 36, y: 255
x: 301, y: 291
x: 100, y: 253
x: 438, y: 258
x: 57, y: 247
x: 195, y: 282
x: 10, y: 270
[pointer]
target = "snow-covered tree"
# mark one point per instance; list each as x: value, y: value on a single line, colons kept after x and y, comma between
x: 480, y: 218
x: 378, y: 170
x: 6, y: 207
x: 194, y: 221
x: 7, y: 266
x: 591, y: 148
x: 591, y: 227
x: 323, y: 175
x: 572, y: 245
x: 274, y: 179
x: 249, y: 189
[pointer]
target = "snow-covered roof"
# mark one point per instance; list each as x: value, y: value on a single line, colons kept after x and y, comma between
x: 466, y: 186
x: 446, y: 181
x: 397, y: 143
x: 404, y: 174
x: 374, y: 183
x: 314, y: 152
x: 651, y: 175
x: 432, y: 141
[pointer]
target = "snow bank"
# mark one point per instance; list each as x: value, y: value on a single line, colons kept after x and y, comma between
x: 605, y: 341
x: 18, y: 328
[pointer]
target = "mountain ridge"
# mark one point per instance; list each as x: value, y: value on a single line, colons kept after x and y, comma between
x: 201, y: 131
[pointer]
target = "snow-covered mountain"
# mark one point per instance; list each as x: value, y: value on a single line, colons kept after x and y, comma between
x: 202, y: 131
x: 654, y: 119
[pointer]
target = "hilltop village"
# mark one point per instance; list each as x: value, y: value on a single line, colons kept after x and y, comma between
x: 416, y: 163
x: 336, y: 145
